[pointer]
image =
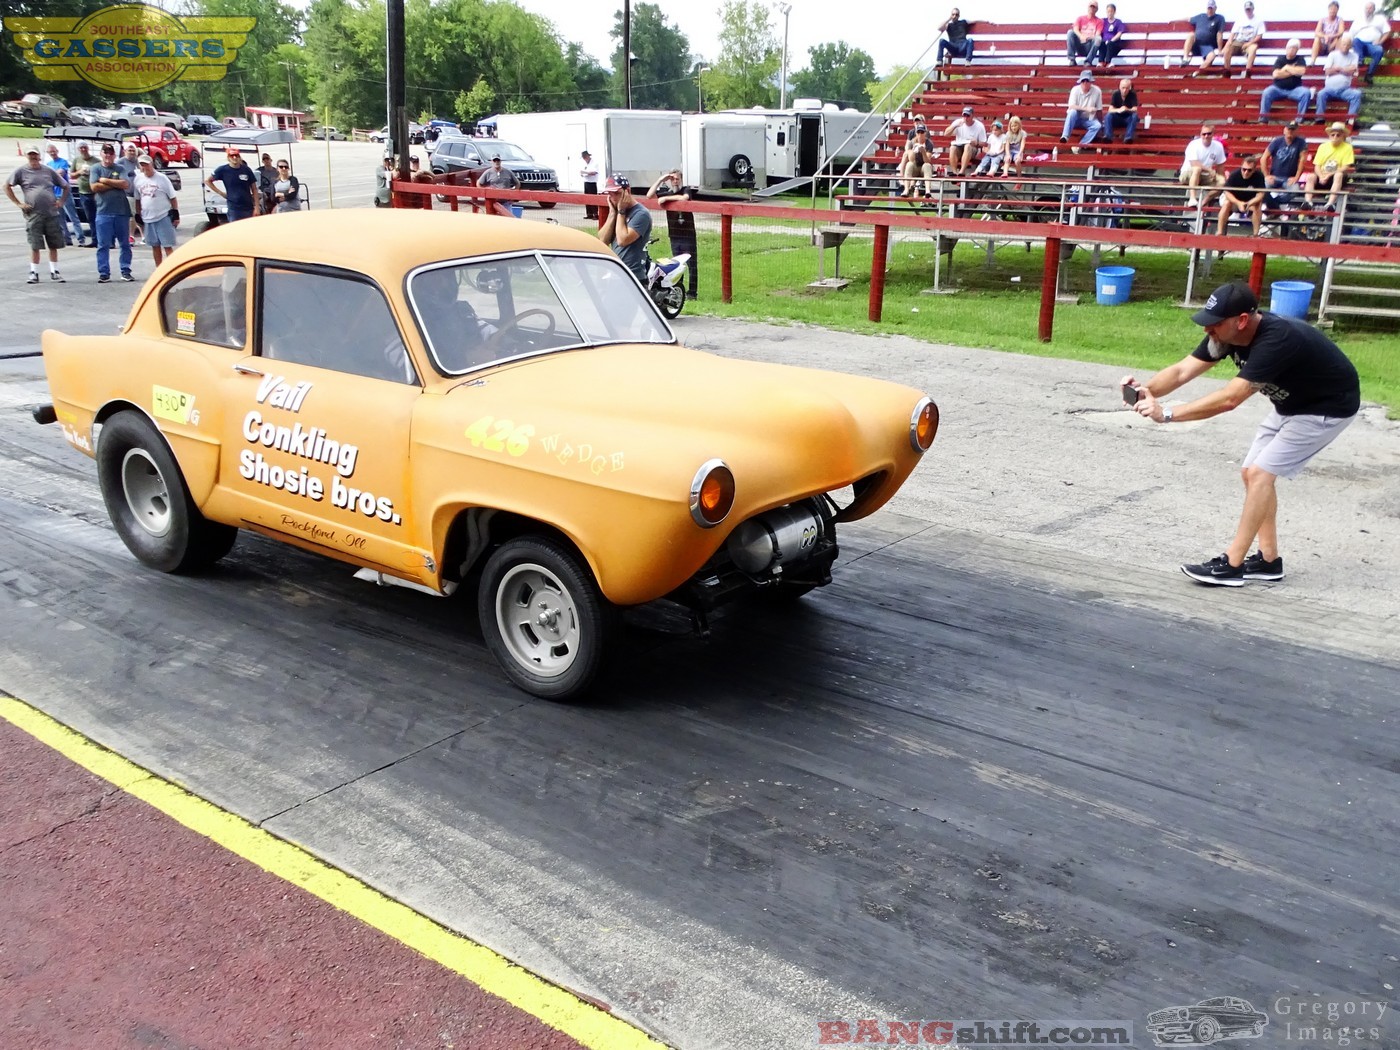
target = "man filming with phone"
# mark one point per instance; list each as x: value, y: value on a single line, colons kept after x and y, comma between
x: 1316, y: 394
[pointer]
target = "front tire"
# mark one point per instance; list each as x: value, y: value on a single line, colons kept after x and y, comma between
x: 546, y: 205
x: 148, y: 502
x: 544, y: 618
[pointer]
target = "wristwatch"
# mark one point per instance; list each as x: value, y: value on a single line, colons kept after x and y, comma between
x: 1166, y: 414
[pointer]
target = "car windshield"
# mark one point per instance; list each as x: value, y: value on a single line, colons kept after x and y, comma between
x: 504, y: 150
x: 481, y: 312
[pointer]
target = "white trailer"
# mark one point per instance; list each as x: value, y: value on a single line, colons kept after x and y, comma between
x: 724, y: 151
x: 639, y: 143
x: 811, y: 138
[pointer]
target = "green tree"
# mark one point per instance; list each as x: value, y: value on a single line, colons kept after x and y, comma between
x: 749, y: 56
x: 661, y: 72
x: 256, y: 77
x: 835, y: 73
x: 889, y: 93
x: 472, y: 105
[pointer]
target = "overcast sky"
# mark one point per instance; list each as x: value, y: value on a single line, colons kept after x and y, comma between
x: 892, y: 32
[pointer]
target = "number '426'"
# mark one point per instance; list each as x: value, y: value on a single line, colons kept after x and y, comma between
x: 497, y: 435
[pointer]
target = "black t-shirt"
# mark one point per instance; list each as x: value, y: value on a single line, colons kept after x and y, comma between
x: 1238, y: 180
x: 1286, y: 156
x: 1286, y: 83
x: 1119, y: 101
x: 957, y: 30
x: 1208, y: 28
x: 1303, y: 372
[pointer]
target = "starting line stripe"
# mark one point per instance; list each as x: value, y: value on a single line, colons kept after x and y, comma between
x: 561, y: 1010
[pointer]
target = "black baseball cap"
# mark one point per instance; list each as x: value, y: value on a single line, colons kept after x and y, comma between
x: 1229, y: 300
x: 1292, y: 124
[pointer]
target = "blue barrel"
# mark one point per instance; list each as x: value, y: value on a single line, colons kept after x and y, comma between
x: 1290, y: 298
x: 1113, y: 284
x: 518, y: 210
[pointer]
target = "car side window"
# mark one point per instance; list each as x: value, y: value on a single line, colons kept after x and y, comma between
x: 327, y: 320
x: 209, y: 305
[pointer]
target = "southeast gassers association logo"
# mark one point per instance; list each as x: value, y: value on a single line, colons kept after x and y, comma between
x: 129, y: 49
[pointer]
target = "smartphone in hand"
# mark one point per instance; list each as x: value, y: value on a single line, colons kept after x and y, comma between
x: 1131, y: 394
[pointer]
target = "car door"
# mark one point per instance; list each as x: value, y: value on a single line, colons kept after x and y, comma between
x: 318, y: 418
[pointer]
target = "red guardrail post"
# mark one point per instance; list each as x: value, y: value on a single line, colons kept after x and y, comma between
x: 1047, y: 288
x: 878, y: 255
x: 726, y: 258
x: 1256, y: 273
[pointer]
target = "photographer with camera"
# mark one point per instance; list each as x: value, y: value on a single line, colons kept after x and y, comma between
x: 1316, y: 394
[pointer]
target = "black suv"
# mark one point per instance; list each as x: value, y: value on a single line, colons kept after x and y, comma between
x: 458, y: 153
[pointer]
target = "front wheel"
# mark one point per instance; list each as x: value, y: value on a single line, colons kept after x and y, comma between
x: 544, y: 618
x: 148, y: 502
x: 546, y: 205
x: 671, y: 300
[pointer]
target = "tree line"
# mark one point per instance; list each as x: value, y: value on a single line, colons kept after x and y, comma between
x: 467, y: 59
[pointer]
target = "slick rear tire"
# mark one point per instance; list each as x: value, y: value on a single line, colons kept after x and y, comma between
x: 149, y: 503
x: 192, y: 161
x: 544, y: 618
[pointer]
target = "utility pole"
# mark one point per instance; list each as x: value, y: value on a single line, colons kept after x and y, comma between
x: 398, y: 112
x: 700, y: 89
x: 627, y: 51
x: 786, y: 9
x: 291, y: 99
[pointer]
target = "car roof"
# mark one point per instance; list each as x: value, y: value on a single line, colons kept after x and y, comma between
x: 384, y: 244
x: 251, y: 137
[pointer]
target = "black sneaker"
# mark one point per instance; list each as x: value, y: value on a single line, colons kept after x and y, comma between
x: 103, y: 278
x: 1218, y: 572
x: 126, y: 276
x: 1256, y: 568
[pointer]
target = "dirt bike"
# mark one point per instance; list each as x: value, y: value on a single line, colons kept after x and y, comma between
x: 665, y: 282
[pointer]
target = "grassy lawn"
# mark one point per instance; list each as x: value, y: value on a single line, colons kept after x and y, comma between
x: 20, y: 131
x: 997, y: 304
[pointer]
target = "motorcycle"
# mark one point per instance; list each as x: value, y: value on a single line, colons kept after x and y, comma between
x: 666, y: 283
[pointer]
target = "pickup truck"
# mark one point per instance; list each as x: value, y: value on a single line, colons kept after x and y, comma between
x: 135, y: 114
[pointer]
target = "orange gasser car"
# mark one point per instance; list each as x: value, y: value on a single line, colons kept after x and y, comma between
x: 424, y: 394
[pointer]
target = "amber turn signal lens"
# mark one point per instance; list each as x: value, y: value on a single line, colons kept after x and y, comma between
x: 711, y: 493
x: 923, y: 425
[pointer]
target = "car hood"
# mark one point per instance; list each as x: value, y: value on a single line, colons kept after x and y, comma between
x: 647, y: 417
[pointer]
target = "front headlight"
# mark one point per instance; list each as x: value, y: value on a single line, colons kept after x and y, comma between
x: 923, y: 425
x: 711, y: 493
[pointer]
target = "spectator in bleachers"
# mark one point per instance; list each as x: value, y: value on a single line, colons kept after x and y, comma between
x: 1332, y: 164
x: 1083, y: 37
x: 1341, y: 71
x: 1329, y: 28
x: 956, y: 42
x: 1085, y: 101
x: 917, y: 163
x: 1205, y: 161
x: 1245, y: 35
x: 1015, y: 146
x: 1289, y: 68
x: 969, y: 134
x: 1207, y: 35
x: 1110, y: 42
x: 1368, y: 36
x: 995, y: 156
x: 1122, y: 112
x: 1244, y: 192
x: 1282, y: 164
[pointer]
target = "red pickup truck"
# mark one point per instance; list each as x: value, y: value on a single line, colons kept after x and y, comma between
x: 165, y: 146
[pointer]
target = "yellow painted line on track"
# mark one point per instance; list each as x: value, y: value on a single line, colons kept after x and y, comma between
x: 581, y: 1020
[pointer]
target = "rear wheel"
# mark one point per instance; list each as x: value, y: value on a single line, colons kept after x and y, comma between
x: 148, y: 502
x: 671, y: 300
x: 544, y: 618
x: 193, y: 159
x: 546, y: 205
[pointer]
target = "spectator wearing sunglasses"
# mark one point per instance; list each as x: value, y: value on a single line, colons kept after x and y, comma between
x: 286, y: 190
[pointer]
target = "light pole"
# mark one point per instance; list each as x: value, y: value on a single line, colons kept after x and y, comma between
x: 291, y: 99
x: 786, y: 9
x: 700, y: 89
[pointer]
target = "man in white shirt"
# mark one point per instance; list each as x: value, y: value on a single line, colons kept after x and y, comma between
x: 1203, y: 166
x: 1368, y: 36
x: 969, y: 135
x: 160, y: 213
x: 1339, y: 71
x: 1246, y: 36
x: 589, y: 173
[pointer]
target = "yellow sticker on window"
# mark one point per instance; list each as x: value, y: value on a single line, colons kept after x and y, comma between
x: 184, y: 322
x: 174, y: 405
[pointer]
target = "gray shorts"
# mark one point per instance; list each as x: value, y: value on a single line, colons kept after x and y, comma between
x: 42, y: 228
x: 160, y: 232
x: 1283, y: 445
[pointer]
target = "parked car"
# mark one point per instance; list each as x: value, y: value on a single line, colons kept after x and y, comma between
x: 1210, y: 1020
x: 33, y: 106
x: 327, y: 133
x: 415, y: 134
x: 136, y: 114
x: 82, y: 115
x: 166, y: 147
x: 201, y: 124
x: 236, y: 122
x: 382, y: 135
x: 459, y: 153
x: 464, y: 401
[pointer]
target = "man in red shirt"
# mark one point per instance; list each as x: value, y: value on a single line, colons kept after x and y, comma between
x: 1083, y: 36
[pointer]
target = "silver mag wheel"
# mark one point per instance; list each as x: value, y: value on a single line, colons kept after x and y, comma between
x: 544, y: 618
x: 671, y: 300
x: 148, y: 502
